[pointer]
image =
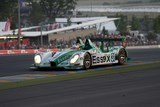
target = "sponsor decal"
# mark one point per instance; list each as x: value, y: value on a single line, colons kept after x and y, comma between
x: 112, y: 57
x: 103, y: 59
x: 64, y: 57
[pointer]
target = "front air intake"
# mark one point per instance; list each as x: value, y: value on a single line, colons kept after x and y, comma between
x: 53, y: 64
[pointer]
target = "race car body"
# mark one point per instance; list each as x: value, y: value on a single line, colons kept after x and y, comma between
x: 83, y: 57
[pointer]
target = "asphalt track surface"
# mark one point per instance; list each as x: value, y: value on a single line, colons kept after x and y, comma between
x: 19, y: 64
x: 132, y: 89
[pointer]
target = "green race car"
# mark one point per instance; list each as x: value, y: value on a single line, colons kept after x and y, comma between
x: 84, y: 56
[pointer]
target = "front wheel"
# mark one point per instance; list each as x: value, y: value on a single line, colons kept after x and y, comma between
x: 87, y: 61
x: 122, y: 57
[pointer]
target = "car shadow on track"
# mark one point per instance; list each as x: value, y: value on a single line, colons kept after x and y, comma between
x: 76, y: 70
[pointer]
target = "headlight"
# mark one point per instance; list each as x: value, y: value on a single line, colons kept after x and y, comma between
x: 37, y: 59
x: 74, y: 59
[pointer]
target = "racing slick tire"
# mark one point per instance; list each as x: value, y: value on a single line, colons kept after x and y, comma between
x: 122, y: 57
x: 87, y: 61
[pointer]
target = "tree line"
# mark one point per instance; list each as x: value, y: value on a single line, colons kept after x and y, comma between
x: 146, y: 25
x: 39, y: 10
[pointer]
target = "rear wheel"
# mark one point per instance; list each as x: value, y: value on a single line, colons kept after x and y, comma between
x: 122, y: 57
x: 87, y: 61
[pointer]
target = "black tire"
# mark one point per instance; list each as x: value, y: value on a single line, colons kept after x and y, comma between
x: 87, y: 61
x: 122, y: 57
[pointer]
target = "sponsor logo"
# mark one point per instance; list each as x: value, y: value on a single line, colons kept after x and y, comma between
x: 103, y: 59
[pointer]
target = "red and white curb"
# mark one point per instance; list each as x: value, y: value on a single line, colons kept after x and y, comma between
x: 25, y: 51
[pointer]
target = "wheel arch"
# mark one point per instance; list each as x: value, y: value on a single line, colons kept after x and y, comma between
x: 126, y: 53
x: 90, y: 56
x: 87, y: 53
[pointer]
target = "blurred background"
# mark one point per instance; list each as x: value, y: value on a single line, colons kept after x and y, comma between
x: 23, y: 22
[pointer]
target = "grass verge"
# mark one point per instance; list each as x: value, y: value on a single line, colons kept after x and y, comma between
x: 89, y: 73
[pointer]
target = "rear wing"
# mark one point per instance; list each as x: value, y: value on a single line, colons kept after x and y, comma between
x: 110, y: 41
x: 121, y: 39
